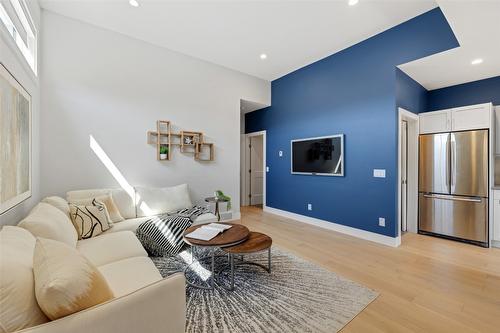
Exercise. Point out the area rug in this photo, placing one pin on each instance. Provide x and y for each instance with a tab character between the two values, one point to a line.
298	296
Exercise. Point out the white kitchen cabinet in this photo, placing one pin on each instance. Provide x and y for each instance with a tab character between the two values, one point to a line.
457	119
435	122
496	216
471	117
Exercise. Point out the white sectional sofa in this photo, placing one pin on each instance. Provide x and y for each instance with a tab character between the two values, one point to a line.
144	302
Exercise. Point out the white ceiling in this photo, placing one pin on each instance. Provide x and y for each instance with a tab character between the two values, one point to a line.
233	33
476	24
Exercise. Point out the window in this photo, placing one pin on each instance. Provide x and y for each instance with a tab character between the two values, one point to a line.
15	16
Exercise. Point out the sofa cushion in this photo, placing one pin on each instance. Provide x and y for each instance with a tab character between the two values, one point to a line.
110	247
107	200
49	222
155	201
128	275
65	281
90	221
59	203
18	306
128	225
123	200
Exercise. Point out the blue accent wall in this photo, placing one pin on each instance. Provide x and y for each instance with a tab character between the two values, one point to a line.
482	91
410	95
351	92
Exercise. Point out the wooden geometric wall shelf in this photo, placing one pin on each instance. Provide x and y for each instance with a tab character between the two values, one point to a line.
205	152
188	142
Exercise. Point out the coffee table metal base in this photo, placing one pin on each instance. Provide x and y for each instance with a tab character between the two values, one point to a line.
214	278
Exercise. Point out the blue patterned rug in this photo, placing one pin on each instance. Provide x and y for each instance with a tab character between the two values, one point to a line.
297	297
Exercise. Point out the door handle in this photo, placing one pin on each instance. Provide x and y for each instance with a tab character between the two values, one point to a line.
453	163
446	197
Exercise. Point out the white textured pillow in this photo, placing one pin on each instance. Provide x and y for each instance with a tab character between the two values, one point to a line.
18	306
90	221
59	203
107	200
49	222
65	281
154	201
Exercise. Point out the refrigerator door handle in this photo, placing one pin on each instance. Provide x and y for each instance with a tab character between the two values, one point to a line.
448	168
453	162
453	198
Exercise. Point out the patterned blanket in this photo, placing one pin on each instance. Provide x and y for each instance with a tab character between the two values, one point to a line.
161	235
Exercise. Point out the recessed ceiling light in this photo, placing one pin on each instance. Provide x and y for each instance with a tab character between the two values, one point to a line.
476	61
353	2
263	56
133	3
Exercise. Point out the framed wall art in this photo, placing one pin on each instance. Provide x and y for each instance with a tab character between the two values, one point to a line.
15	142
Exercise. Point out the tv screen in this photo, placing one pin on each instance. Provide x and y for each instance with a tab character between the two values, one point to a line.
319	156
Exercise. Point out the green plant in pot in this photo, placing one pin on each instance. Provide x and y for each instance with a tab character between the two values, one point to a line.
221	196
163	152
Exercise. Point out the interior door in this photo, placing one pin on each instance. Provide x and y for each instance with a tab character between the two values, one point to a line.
256	170
404	176
434	166
469	163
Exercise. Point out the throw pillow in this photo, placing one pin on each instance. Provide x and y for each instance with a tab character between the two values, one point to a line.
18	306
107	200
163	235
155	201
90	221
65	281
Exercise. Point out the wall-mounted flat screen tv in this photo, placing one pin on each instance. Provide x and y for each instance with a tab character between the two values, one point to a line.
322	156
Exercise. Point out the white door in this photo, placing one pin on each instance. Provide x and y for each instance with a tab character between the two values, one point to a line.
256	170
404	176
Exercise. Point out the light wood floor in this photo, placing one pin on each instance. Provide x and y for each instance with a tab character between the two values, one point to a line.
426	285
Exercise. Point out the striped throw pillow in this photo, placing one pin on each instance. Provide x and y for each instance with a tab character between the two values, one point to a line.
162	235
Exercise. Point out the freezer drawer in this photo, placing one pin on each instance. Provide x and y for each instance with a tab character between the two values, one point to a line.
461	217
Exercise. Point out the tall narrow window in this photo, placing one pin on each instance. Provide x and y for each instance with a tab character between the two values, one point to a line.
16	19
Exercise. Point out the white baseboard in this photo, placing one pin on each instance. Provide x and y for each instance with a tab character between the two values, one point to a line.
363	234
495	243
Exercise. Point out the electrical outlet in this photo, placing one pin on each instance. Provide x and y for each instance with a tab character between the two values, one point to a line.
280	153
267	169
381	221
309	206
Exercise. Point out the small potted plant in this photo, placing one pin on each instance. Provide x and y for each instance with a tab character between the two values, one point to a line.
163	152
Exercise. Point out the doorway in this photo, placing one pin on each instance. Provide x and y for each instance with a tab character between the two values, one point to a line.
254	169
408	172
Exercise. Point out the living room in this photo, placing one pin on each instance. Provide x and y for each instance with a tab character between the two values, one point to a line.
249	166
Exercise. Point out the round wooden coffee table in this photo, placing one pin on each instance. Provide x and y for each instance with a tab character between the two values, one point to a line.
256	242
233	236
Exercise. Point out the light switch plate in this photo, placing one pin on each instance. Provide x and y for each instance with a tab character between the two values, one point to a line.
379	173
280	153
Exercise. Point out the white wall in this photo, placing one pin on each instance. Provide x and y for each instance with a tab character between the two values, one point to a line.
13	60
101	83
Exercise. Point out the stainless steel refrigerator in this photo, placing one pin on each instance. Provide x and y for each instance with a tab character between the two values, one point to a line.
453	185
